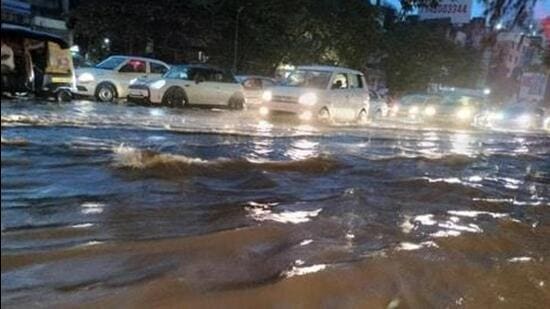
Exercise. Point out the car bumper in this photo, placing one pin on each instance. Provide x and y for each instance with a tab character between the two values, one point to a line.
87	89
139	95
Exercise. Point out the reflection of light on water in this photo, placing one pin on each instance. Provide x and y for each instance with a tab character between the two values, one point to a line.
520	259
264	127
261	148
453	224
522	147
302	149
84	107
300	271
461	144
156	112
408	246
82	226
92	208
263	212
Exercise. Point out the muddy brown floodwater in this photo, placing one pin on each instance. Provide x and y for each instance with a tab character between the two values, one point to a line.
125	206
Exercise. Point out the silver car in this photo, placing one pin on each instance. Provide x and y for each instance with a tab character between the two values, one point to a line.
110	79
322	93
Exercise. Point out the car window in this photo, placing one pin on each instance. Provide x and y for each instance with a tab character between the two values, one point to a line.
215	76
340	81
157	68
133	66
177	73
219	76
253	84
267	83
355	81
198	74
433	100
110	63
308	79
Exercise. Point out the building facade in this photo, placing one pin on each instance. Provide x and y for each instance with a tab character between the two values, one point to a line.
44	15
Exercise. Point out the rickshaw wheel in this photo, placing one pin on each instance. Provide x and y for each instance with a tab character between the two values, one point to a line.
63	96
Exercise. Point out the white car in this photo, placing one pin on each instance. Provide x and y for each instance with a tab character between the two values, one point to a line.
186	85
110	79
254	87
322	93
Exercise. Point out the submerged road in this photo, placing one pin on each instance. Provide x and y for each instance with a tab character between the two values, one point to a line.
127	206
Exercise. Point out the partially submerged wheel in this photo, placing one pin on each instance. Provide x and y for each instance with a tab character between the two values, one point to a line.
236	103
63	95
363	117
105	92
323	116
174	97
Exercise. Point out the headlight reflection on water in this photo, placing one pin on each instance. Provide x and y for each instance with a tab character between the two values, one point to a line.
302	149
462	143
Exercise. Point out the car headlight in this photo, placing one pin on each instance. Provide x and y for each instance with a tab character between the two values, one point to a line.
524	119
85	78
496	116
413	110
308	99
429	111
133	81
464	113
267	96
546	124
158	84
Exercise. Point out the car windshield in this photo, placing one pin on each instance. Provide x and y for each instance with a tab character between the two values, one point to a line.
110	63
177	72
308	79
412	99
461	99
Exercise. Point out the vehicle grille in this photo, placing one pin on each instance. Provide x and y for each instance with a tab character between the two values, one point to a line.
139	86
284	99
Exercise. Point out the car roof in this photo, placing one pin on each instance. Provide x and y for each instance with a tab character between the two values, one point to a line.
138	58
328	68
245	77
197	66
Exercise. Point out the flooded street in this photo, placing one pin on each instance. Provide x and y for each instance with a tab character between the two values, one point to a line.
128	206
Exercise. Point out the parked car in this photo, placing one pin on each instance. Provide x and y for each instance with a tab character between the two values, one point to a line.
321	93
515	117
190	84
110	79
253	87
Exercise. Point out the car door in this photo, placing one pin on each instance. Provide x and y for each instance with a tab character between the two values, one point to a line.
340	97
131	69
224	86
198	90
360	94
156	70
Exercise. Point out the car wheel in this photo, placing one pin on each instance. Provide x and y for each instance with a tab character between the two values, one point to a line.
105	93
63	96
323	116
363	117
174	97
236	103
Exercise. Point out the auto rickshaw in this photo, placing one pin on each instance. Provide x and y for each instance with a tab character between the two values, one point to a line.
36	64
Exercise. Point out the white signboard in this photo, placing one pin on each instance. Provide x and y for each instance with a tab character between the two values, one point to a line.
460	11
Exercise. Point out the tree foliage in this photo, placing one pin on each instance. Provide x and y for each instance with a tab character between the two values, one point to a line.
350	33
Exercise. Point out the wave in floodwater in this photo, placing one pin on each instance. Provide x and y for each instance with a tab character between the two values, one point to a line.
132	158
